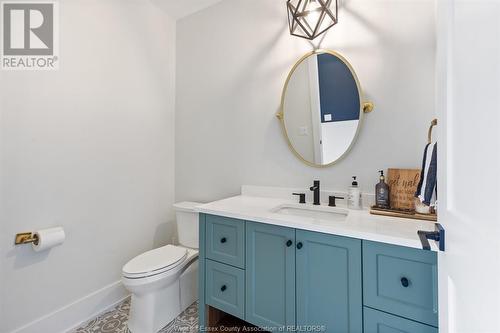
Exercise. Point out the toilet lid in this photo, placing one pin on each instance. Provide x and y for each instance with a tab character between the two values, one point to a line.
154	261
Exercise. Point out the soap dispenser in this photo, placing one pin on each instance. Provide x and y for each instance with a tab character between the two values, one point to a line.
354	195
382	192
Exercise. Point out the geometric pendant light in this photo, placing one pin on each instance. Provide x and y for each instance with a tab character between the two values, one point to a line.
310	18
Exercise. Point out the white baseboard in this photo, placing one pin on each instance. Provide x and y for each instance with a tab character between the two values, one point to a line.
74	314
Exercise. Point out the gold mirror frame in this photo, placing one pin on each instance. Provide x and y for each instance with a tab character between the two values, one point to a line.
365	107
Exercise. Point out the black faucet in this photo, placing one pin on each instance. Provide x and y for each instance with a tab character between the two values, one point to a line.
315	189
302	197
331	200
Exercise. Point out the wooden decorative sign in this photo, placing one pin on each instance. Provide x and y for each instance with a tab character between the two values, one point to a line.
402	186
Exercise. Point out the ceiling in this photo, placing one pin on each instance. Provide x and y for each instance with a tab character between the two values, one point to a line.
180	8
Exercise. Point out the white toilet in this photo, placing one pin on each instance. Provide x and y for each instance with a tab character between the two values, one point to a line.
164	281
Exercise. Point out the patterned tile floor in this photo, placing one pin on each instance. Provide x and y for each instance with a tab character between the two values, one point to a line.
115	321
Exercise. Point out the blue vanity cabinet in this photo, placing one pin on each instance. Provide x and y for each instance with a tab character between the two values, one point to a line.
328	282
401	281
382	322
284	279
270	275
202	313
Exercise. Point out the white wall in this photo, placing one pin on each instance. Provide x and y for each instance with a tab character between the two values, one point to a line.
232	62
89	147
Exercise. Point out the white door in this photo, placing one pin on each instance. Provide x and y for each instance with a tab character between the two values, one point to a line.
468	103
312	63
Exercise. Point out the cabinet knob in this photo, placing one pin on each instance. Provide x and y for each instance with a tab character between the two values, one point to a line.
223	240
289	243
299	245
223	288
405	282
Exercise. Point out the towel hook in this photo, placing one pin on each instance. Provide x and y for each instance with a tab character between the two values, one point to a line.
434	122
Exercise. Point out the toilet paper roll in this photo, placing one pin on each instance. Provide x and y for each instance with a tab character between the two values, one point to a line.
48	238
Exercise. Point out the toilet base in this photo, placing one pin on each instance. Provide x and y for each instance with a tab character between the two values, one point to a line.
150	312
189	286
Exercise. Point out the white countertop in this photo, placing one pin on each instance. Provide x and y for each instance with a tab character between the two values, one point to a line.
358	224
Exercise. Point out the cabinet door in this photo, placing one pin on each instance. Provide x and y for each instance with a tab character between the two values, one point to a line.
329	282
270	275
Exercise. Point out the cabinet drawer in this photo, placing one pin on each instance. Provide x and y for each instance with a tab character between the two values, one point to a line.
401	280
225	288
225	240
381	322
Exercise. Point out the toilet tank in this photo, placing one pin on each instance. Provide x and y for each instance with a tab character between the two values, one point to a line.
187	223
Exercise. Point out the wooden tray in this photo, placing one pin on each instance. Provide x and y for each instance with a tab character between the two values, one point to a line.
401	213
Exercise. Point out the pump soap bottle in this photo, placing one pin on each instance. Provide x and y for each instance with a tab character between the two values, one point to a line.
354	195
382	192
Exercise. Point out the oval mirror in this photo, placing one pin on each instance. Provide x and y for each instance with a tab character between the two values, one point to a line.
322	108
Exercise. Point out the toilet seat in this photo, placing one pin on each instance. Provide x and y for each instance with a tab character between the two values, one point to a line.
155	262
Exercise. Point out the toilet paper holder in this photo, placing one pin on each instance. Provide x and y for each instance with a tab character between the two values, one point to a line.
26	238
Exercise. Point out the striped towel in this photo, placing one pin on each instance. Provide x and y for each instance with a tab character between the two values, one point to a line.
427	186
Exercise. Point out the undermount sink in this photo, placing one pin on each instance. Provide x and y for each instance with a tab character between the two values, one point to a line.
314	212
